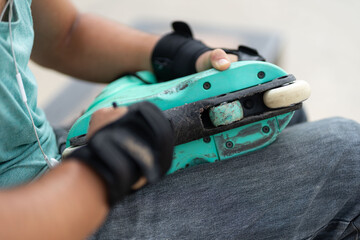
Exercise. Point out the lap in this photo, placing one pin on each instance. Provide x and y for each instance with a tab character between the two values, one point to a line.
305	183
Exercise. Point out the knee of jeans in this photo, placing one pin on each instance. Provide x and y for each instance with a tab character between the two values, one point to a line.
336	126
345	130
345	135
338	136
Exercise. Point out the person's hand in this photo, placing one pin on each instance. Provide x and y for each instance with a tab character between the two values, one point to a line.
127	144
103	117
217	59
178	54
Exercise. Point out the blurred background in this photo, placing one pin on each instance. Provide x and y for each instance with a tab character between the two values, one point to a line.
316	40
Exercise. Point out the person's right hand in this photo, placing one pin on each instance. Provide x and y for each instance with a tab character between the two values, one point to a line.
126	144
105	116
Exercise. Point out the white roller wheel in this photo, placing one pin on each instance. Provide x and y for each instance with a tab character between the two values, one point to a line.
287	95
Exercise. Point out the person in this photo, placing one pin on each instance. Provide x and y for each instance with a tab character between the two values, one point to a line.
305	185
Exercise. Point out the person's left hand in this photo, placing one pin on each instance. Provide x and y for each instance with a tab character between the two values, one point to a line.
217	59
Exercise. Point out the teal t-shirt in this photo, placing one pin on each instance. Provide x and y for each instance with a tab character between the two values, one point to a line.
20	157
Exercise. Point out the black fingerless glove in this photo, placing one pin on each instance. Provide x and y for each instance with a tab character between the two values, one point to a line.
138	144
176	53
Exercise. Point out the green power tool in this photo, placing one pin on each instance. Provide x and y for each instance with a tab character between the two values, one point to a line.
216	115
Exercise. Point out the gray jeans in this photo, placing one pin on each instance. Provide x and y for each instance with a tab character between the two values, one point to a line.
306	185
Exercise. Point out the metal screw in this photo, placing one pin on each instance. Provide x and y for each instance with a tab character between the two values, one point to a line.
261	75
229	144
207	139
266	129
206	85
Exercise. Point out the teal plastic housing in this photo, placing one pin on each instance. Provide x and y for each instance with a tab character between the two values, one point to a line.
241	75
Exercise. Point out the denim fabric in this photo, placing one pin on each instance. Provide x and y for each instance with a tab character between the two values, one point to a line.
306	185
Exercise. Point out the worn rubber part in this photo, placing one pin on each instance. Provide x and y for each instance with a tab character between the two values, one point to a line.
139	144
176	53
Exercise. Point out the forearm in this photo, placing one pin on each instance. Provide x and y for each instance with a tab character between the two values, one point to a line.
93	48
100	50
67	203
2	4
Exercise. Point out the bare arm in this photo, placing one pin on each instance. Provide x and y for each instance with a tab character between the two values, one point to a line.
96	49
87	46
2	4
67	203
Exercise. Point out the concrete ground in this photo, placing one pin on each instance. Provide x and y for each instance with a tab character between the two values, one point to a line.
320	41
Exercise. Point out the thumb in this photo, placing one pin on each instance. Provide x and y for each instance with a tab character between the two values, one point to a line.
217	59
